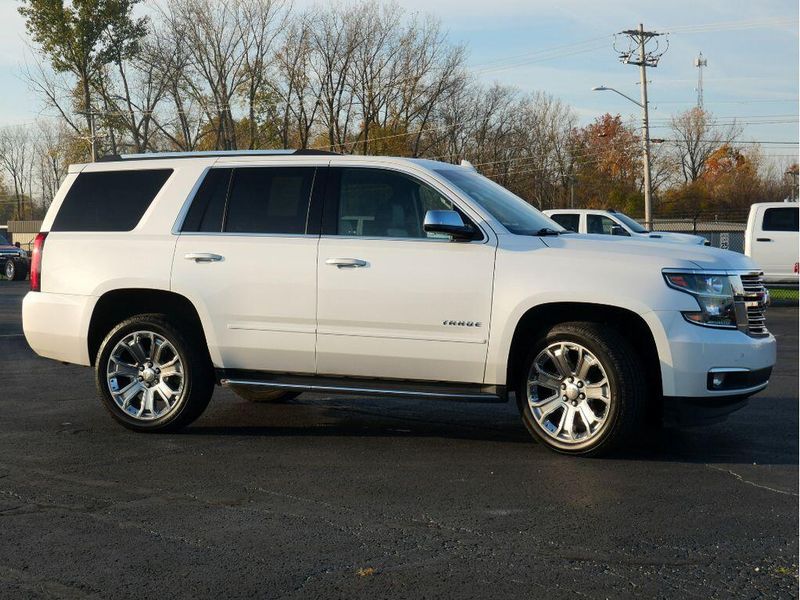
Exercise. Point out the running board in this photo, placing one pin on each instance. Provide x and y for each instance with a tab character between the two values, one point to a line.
365	387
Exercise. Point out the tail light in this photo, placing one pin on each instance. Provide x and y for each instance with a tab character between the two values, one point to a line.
36	262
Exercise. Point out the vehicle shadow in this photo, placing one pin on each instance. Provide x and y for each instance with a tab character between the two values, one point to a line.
735	442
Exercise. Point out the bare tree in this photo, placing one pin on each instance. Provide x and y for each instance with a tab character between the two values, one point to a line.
698	135
335	34
373	71
15	159
51	150
217	43
296	103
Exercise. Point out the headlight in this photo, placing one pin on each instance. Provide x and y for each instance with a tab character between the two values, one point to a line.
714	295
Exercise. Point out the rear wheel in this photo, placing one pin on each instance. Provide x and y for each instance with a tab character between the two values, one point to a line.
153	375
581	390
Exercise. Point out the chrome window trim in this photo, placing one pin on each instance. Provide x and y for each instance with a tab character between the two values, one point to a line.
250	235
484	240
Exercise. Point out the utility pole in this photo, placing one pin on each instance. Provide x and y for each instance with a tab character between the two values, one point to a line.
638	54
92	136
700	62
92	133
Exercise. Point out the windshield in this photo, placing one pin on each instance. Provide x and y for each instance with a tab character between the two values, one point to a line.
3	241
632	225
513	212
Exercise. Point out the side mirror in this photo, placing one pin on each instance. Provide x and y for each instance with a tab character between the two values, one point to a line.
448	222
619	230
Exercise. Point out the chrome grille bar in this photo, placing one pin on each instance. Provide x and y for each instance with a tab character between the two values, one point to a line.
754	298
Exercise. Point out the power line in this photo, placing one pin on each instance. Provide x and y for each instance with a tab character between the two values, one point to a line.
763	23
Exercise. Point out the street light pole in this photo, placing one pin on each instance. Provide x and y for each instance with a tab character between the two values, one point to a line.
648	202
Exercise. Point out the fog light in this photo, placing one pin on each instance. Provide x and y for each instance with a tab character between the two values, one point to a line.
717	380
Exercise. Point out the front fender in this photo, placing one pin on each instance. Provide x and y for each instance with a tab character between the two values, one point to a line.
504	326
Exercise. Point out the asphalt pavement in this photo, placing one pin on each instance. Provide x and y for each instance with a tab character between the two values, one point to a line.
336	497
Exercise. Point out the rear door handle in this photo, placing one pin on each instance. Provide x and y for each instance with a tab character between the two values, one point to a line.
346	263
763	240
199	257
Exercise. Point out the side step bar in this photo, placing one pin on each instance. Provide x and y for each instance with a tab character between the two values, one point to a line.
368	387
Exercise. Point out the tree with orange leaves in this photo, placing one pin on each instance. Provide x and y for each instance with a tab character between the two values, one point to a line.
607	156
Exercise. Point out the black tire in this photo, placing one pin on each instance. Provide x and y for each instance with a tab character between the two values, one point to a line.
264	395
10	269
624	416
22	272
198	372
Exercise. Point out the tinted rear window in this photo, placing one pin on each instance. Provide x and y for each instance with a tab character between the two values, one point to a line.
109	200
781	219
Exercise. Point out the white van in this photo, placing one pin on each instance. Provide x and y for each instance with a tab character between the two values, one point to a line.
771	240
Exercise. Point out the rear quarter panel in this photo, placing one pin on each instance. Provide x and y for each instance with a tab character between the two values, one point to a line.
90	263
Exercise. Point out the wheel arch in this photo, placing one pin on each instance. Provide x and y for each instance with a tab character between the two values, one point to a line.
117	305
627	322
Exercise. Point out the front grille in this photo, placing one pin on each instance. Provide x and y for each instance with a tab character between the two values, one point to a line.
755	301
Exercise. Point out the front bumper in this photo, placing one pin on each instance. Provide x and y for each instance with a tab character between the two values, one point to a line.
20	260
688	353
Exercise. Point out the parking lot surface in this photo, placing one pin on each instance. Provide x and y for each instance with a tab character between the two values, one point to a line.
334	497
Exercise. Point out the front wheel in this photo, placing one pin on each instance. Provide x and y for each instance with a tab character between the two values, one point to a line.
153	374
581	390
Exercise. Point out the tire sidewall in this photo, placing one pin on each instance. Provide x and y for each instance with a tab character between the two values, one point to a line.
101	364
617	387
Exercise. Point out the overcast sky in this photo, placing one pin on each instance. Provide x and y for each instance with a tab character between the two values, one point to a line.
560	46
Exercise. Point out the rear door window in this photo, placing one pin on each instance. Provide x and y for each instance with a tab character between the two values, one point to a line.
269	200
208	206
109	200
567	221
781	219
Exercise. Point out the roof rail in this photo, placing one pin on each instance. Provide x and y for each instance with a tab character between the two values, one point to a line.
213	154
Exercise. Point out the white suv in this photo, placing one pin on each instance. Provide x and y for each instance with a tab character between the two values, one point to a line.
305	271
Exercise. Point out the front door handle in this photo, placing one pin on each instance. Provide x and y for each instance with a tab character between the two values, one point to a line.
763	240
199	257
346	263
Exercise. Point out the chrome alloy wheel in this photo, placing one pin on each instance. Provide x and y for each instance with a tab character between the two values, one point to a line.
145	375
568	393
11	269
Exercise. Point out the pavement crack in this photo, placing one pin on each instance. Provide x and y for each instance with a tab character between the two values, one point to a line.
753	483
